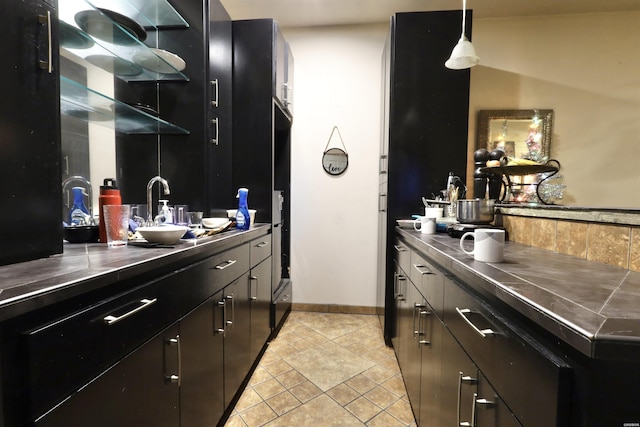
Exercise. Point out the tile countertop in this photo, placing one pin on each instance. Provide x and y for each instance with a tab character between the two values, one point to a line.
86	267
593	307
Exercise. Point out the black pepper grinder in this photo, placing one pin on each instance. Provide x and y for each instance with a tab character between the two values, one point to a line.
480	158
495	181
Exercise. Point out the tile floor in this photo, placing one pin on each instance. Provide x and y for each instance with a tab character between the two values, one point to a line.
325	369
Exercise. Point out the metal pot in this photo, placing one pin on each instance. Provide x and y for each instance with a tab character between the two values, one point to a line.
475	211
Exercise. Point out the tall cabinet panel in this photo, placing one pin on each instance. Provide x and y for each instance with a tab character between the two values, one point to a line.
30	187
262	132
425	111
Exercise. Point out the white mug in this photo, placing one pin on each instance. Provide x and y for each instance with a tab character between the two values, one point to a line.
427	225
488	245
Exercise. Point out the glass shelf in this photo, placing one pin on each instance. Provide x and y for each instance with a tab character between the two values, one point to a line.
151	14
113	39
78	101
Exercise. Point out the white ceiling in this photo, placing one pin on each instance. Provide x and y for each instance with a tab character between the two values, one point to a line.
297	13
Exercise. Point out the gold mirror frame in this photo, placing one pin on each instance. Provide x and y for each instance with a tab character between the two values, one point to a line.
485	117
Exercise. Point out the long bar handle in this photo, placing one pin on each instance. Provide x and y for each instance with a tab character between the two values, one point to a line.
215	140
463	379
176	378
400	248
214	85
262	244
226	264
423	272
223	304
482	332
253	296
233	310
111	319
424	313
48	64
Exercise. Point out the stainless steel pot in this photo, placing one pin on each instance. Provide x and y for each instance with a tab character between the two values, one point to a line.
475	211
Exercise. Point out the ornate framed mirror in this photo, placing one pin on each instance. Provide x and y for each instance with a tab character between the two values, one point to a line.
519	133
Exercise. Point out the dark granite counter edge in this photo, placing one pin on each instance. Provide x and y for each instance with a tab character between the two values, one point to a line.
487	280
32	295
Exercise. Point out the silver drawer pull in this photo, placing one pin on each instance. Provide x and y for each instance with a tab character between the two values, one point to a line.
262	244
482	332
110	320
226	264
400	248
423	272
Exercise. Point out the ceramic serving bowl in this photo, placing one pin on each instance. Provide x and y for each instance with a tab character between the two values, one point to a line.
163	234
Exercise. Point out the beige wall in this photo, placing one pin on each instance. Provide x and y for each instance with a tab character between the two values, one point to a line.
587	69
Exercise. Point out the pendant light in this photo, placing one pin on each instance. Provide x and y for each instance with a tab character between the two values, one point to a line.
463	54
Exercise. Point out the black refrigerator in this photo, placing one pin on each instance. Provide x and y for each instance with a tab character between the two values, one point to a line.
425	112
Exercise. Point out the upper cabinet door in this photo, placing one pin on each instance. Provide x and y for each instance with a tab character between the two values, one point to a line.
30	126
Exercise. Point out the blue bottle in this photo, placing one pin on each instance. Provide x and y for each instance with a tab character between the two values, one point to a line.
243	221
79	214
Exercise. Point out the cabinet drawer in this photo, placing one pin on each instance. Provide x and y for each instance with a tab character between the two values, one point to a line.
227	266
260	249
402	255
525	374
429	281
66	353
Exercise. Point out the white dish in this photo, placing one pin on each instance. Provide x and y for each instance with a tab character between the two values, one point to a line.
406	223
159	61
231	213
214	222
165	234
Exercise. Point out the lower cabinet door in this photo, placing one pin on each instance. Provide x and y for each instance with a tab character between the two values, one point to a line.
409	358
201	384
431	330
260	300
459	379
237	335
139	390
490	410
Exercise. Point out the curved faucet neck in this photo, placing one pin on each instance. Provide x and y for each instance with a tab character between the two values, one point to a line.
166	191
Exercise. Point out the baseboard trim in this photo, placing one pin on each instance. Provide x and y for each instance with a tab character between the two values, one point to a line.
333	308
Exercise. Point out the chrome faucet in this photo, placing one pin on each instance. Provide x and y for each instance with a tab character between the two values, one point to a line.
152	181
87	185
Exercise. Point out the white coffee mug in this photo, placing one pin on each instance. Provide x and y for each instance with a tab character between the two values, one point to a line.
427	225
488	245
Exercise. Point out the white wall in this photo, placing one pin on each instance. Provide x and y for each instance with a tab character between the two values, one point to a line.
334	219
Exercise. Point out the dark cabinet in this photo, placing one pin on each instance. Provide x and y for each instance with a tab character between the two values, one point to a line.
30	184
122	395
262	135
260	301
425	117
202	379
237	335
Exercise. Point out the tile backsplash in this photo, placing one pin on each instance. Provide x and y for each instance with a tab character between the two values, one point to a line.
613	244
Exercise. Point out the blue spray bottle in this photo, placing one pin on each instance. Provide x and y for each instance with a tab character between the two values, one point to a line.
243	221
79	214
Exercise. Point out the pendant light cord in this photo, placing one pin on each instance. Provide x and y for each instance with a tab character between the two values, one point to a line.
464	17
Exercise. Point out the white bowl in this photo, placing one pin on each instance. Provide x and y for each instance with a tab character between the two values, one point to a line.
406	223
231	213
164	234
214	222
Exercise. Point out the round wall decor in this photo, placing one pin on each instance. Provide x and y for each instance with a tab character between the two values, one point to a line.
335	160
